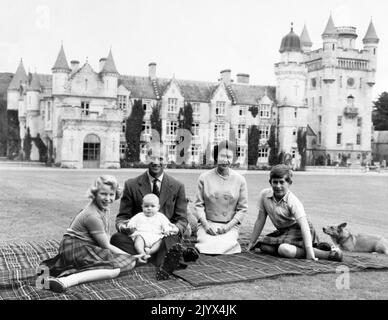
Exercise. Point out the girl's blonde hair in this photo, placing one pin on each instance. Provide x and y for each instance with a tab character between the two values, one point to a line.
104	180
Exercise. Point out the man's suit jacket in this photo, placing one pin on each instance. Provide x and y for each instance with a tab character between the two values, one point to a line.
172	200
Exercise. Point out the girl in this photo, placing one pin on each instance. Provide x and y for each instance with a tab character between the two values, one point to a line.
85	253
295	237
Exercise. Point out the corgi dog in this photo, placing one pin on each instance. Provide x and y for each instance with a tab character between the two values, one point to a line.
356	242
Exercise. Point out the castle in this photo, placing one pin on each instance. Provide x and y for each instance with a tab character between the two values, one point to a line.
80	114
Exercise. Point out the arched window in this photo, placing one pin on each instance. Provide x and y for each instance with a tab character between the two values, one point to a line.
91	148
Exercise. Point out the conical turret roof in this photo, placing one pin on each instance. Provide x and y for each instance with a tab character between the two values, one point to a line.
330	29
61	62
290	42
35	83
371	33
305	38
19	77
109	66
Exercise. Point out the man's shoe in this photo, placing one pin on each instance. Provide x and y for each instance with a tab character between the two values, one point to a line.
171	262
190	255
335	255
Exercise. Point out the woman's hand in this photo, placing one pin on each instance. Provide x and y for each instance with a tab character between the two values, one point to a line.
209	230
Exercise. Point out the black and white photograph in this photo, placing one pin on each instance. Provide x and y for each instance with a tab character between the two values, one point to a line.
174	151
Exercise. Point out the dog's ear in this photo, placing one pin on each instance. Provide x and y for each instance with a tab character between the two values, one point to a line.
342	225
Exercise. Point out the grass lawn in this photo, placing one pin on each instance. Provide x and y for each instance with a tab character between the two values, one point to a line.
39	204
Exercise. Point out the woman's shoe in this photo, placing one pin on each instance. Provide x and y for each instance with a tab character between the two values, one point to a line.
335	255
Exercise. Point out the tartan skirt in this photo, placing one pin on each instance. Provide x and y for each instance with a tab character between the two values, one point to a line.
76	255
291	235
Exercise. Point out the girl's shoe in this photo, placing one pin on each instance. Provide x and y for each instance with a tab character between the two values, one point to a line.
54	284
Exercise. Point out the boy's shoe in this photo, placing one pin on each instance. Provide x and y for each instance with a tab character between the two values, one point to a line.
190	255
54	284
324	246
335	255
171	262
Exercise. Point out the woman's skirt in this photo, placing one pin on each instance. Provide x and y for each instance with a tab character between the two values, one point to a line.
221	243
291	235
76	255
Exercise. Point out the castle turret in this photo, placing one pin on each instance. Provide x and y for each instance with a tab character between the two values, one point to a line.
61	72
370	42
291	75
329	57
330	36
305	40
110	76
13	94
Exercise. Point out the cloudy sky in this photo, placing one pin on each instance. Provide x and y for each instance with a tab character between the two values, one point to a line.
193	39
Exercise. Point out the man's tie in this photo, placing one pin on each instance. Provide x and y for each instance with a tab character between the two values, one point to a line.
155	188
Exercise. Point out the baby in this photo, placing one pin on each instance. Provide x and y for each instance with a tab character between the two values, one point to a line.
147	228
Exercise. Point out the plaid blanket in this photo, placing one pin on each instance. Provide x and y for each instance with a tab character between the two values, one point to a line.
249	266
19	261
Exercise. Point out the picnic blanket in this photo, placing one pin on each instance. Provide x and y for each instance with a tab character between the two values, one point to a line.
19	262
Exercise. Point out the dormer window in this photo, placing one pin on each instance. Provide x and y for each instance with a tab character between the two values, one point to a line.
264	110
220	108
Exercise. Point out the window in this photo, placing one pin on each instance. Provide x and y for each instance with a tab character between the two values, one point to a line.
339	138
195	151
220	108
241	131
294	131
340	82
320	100
123	125
122	102
85	108
265	110
358	139
263	153
147	106
146	128
359	122
320	119
360	83
172	105
312	102
143	149
339	121
172	126
240	152
296	113
293	153
86	84
91	149
171	150
48	110
319	137
219	130
195	129
264	132
123	147
242	111
195	106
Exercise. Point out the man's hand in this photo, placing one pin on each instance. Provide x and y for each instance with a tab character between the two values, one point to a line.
174	230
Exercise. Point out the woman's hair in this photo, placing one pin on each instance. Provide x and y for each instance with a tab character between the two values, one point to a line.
229	145
281	171
107	180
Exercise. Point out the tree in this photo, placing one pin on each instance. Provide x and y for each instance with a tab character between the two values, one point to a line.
301	140
27	144
3	127
253	145
134	127
254	111
380	112
42	148
13	134
156	121
188	117
273	158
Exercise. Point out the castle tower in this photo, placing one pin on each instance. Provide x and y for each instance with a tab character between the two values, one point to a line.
13	94
305	40
370	42
33	99
61	72
291	82
110	76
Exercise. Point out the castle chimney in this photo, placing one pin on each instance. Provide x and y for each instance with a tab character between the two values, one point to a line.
243	78
226	76
102	63
74	65
152	70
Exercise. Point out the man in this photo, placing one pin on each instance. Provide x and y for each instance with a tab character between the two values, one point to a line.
173	205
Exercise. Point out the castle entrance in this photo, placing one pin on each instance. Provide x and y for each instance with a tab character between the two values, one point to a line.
91	151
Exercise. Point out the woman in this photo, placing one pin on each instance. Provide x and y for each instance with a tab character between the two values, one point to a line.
221	204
